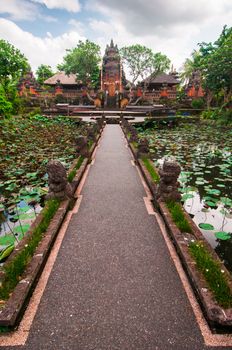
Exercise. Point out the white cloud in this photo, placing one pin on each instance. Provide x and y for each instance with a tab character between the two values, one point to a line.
142	17
173	27
68	5
77	25
47	50
19	9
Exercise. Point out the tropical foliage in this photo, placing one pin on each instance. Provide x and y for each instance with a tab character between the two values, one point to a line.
142	62
43	72
214	62
13	65
84	61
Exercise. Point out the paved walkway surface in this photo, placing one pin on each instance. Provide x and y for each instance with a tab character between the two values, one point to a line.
114	284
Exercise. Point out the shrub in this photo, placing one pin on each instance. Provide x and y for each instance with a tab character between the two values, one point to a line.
6	107
207	114
198	103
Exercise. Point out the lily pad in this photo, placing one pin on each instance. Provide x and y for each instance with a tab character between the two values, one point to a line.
223	235
26	216
226	201
211	204
205	210
199	182
221	185
21	228
206	226
24	209
187	196
214	192
7	239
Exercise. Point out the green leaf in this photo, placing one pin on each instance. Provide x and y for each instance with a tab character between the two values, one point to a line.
23	209
206	226
223	235
26	216
187	196
21	228
226	201
214	192
7	239
6	252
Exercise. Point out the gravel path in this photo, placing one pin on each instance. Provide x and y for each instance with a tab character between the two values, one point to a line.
114	285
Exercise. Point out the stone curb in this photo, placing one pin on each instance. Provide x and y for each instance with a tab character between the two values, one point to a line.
14	307
216	316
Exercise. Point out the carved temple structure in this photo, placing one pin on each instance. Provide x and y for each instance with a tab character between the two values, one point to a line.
114	89
112	76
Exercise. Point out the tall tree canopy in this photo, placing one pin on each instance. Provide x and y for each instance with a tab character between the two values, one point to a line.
13	64
214	62
189	67
43	72
84	61
142	62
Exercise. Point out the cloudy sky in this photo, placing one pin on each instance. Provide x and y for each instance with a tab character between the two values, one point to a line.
44	29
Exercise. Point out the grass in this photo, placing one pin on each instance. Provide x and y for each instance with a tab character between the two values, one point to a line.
213	274
72	173
16	267
178	216
134	144
90	143
152	172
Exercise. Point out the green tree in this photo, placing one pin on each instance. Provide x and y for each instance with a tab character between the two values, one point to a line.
43	72
84	61
6	107
13	64
189	67
142	62
215	64
218	68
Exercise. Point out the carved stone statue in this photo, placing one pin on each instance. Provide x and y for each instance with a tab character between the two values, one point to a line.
57	181
168	186
82	146
91	133
143	148
133	134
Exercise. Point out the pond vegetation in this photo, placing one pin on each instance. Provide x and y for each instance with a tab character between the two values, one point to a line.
204	153
15	268
26	146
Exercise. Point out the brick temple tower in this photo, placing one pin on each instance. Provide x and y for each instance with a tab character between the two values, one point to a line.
111	76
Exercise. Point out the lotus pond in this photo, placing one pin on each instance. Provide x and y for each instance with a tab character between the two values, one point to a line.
204	153
26	146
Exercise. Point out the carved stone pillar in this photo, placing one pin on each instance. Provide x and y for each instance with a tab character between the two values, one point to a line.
143	148
82	146
168	186
57	181
133	134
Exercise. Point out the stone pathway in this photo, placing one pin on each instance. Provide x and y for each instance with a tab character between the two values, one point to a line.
114	284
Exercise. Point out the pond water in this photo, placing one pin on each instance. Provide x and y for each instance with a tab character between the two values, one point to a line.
204	153
27	144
